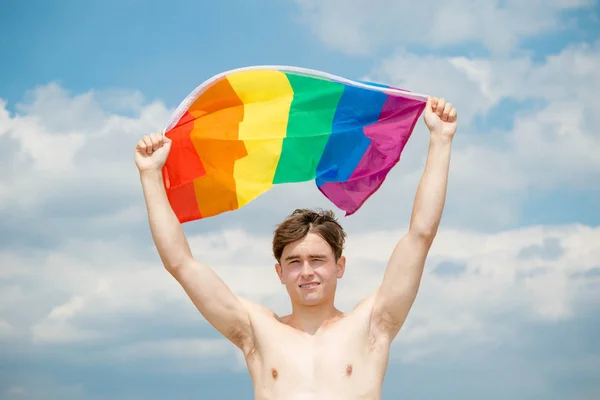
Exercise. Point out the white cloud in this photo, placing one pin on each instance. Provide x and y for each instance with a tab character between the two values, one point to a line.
6	329
557	145
495	268
361	26
190	348
57	142
166	355
475	85
550	146
17	391
567	75
437	76
50	331
68	309
45	389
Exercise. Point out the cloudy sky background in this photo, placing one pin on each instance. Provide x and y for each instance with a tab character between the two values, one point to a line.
509	303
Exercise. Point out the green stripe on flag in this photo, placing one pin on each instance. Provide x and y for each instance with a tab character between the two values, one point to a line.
309	126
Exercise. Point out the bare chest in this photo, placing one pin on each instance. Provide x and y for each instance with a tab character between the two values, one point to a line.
341	362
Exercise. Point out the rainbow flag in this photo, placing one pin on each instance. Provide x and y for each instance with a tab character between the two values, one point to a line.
243	131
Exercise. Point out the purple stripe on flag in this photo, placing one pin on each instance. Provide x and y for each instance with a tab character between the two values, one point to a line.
388	137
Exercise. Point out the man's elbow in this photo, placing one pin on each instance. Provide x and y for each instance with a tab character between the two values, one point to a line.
423	232
175	265
172	267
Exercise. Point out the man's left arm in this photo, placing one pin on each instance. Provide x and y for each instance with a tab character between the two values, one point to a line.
402	277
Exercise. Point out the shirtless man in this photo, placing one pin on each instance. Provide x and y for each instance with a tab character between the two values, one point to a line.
316	352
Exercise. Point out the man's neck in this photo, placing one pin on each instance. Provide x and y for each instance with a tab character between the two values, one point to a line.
312	318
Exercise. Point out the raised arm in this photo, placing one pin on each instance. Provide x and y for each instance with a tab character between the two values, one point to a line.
221	308
402	277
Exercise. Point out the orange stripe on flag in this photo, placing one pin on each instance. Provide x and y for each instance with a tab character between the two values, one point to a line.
218	113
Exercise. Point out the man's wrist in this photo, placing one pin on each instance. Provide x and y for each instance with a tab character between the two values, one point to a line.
151	174
436	138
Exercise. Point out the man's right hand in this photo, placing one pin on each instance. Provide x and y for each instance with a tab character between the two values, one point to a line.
151	152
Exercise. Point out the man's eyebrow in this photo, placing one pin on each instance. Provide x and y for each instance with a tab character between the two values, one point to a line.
318	255
314	255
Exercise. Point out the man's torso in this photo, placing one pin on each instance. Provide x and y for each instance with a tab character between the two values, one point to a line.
345	360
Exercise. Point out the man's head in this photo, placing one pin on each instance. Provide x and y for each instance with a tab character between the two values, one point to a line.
308	247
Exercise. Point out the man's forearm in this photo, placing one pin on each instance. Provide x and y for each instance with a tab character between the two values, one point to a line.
431	192
167	233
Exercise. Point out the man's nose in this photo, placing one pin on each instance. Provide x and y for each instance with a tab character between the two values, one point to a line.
306	269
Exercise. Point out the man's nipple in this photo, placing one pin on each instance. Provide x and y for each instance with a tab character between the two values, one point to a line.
274	373
349	370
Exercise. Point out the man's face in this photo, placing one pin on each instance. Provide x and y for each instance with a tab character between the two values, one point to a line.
309	270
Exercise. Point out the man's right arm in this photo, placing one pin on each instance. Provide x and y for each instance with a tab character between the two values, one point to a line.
221	308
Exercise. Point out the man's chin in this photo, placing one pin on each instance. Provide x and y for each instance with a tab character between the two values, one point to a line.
308	299
312	299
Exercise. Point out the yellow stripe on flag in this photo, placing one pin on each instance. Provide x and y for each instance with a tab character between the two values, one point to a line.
267	97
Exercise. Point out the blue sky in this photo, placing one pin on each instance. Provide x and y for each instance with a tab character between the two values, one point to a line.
162	48
509	302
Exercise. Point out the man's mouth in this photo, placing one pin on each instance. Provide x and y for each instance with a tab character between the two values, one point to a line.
309	285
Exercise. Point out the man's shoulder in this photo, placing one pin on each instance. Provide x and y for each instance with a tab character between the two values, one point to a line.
257	308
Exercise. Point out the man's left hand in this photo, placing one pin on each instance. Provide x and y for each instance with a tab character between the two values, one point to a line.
440	117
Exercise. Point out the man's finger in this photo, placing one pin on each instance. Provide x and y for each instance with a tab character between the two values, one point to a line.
141	147
440	107
452	115
148	143
446	112
428	103
434	103
156	142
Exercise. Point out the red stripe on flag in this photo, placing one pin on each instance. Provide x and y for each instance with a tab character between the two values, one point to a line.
184	203
183	164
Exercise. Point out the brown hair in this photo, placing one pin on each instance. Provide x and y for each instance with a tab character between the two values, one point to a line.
301	222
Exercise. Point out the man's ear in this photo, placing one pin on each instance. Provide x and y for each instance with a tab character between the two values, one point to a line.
341	267
279	272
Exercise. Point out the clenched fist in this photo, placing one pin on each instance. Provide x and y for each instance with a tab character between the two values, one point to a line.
440	117
151	152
